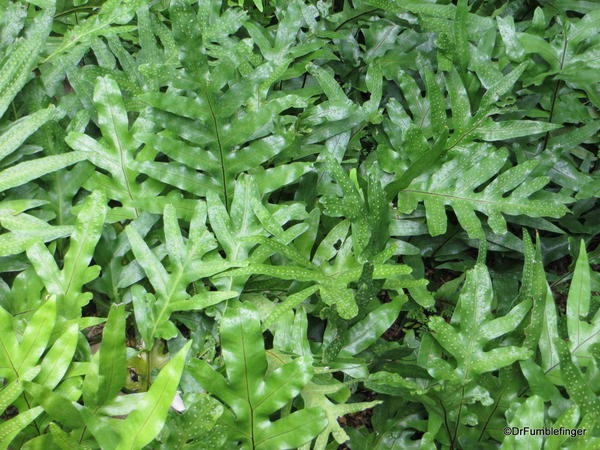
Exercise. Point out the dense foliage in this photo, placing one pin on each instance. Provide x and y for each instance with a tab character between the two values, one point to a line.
299	224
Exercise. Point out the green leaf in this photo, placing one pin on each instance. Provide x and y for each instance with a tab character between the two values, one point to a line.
279	181
12	427
576	385
455	184
437	105
62	439
534	287
251	394
288	304
501	86
157	275
115	152
460	34
112	366
198	424
582	334
13	390
57	360
472	328
171	285
142	425
419	166
315	396
20	130
31	170
76	273
36	336
16	68
529	414
509	129
291	431
173	238
364	333
56	405
10	346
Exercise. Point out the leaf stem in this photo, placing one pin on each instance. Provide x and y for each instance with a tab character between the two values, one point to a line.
556	88
66	12
462	397
491	414
148	369
221	155
354	18
446	420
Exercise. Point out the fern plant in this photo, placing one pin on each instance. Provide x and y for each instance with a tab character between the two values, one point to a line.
331	279
298	224
18	61
252	394
116	152
67	284
187	266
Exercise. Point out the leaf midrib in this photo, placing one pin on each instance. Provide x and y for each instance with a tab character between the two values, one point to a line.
221	154
247	384
171	291
121	154
457	197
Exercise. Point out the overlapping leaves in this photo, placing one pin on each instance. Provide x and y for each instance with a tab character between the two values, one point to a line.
290	194
253	395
